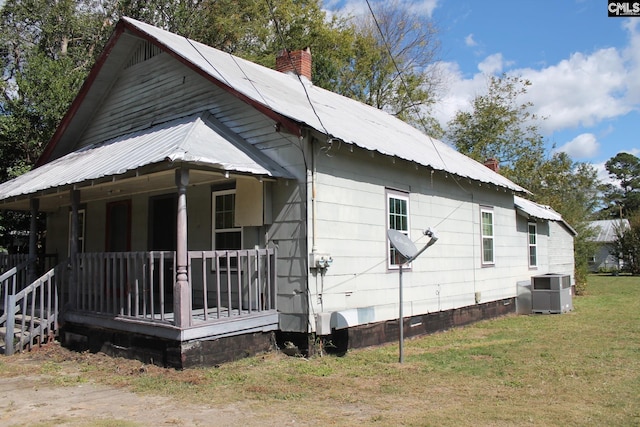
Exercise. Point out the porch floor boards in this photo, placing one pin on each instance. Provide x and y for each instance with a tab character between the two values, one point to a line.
229	323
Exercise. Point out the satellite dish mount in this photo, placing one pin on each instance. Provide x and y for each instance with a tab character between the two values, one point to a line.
408	251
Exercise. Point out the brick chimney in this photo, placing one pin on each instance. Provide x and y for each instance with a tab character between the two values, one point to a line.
492	164
300	59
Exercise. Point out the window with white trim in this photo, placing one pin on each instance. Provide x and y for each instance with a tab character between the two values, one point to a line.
487	231
397	219
225	234
533	244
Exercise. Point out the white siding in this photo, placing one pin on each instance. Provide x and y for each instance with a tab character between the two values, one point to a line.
561	259
351	226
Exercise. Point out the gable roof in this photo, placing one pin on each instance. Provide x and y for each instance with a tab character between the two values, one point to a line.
284	98
607	228
530	209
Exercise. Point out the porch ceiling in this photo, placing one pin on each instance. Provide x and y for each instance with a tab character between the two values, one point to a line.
140	162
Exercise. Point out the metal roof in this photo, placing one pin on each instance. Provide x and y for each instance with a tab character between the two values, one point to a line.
337	116
193	139
607	229
531	209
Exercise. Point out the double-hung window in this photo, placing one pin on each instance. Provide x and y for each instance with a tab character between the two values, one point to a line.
397	219
225	234
487	231
533	244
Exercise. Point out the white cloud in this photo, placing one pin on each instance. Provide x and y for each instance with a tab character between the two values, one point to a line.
602	173
582	146
358	7
493	64
582	90
423	7
459	92
631	54
469	41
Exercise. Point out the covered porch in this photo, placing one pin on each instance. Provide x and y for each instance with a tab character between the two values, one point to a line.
231	292
184	286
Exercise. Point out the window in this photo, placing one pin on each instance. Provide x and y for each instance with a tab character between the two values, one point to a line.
81	230
397	219
533	245
488	256
225	234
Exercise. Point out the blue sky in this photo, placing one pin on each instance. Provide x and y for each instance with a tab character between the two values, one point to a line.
583	65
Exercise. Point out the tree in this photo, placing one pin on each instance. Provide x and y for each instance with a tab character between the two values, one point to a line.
392	63
623	198
627	245
256	30
499	127
46	49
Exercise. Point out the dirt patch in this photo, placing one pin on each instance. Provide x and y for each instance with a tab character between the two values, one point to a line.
31	396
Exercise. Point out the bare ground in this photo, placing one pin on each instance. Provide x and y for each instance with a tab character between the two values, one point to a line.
31	396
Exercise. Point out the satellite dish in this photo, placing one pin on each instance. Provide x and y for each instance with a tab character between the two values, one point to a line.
402	244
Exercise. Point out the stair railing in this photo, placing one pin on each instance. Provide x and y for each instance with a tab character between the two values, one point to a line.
31	315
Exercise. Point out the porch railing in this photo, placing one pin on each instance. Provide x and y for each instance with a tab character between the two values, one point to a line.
140	284
43	262
30	315
228	283
8	261
13	280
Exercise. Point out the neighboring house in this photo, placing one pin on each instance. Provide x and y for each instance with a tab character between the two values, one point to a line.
606	230
207	204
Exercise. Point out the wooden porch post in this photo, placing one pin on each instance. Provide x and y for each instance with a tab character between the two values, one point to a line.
33	239
181	288
73	247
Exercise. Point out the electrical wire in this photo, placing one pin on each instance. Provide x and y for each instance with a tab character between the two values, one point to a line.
402	80
404	83
208	62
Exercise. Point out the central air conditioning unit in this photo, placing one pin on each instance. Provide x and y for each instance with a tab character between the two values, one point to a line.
551	293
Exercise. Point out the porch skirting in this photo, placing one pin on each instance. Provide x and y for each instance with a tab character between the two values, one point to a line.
166	345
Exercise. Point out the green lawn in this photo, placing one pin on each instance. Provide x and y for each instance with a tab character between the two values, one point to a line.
574	369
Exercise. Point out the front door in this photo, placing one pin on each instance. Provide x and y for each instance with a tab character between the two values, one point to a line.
118	237
162	237
162	223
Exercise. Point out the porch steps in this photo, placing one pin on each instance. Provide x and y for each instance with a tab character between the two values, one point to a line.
33	332
24	338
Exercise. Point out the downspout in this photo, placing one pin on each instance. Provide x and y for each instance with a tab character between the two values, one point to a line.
314	247
314	241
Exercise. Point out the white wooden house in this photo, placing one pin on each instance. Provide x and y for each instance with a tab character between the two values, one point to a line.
606	234
207	204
